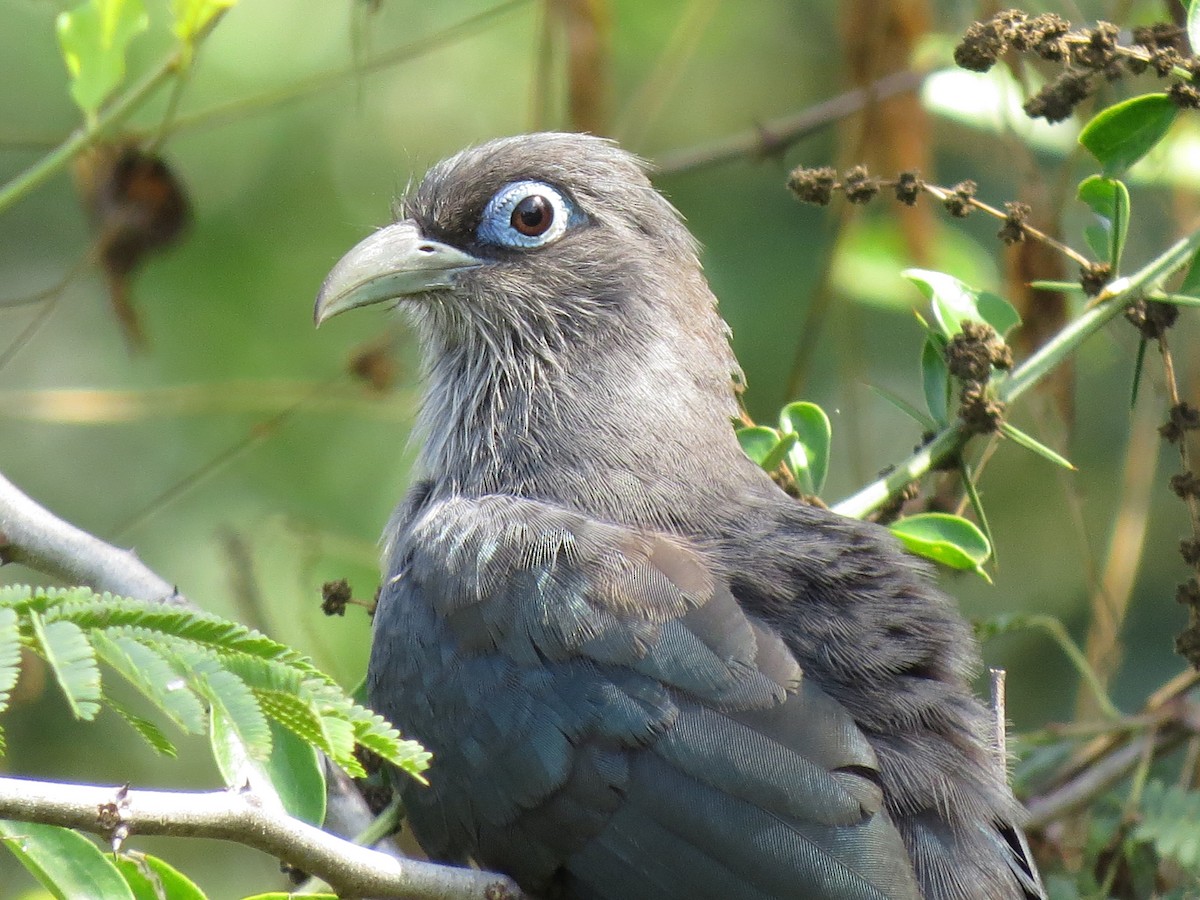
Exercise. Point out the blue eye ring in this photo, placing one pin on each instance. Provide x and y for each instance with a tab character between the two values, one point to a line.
525	215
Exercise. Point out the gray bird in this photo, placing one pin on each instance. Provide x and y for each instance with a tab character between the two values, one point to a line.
643	670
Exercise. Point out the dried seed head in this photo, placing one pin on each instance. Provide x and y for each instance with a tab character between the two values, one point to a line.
1013	229
1160	35
1164	60
980	47
1058	99
813	185
1183	417
958	204
981	414
1151	318
859	186
1094	276
908	187
1100	49
1184	95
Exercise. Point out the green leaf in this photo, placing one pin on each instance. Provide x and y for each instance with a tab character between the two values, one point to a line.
1108	199
1125	132
1169	819
935	379
997	312
905	407
150	878
950	540
376	734
147	670
73	662
1191	281
190	17
293	770
1065	287
235	712
808	457
10	658
1036	446
67	864
765	445
94	37
1175	299
147	730
954	302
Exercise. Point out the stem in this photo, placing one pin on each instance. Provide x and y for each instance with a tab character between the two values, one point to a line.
243	818
1110	303
57	159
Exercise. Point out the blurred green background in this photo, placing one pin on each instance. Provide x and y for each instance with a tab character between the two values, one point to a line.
242	462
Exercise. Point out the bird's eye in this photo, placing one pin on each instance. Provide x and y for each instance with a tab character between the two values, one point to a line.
526	214
533	216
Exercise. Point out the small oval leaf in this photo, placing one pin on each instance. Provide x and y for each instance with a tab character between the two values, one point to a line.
809	456
952	301
997	312
765	445
1108	199
950	540
1125	132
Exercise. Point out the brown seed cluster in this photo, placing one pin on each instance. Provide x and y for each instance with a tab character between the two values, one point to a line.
335	596
980	413
958	204
1151	317
970	356
1013	229
1094	276
1181	418
1090	57
975	350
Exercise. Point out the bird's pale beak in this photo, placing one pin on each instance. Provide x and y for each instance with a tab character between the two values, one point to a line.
396	261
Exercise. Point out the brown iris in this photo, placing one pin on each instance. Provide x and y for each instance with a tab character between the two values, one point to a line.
533	216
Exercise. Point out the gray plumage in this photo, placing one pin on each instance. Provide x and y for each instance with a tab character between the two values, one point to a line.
643	670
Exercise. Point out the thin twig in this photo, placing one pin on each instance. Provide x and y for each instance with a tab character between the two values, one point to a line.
33	536
777	135
239	817
1070	252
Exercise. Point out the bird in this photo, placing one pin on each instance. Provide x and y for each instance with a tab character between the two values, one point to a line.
643	669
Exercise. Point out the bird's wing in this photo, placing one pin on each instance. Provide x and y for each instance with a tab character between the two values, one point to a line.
603	713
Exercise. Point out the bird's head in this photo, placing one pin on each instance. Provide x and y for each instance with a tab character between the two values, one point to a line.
529	242
545	263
